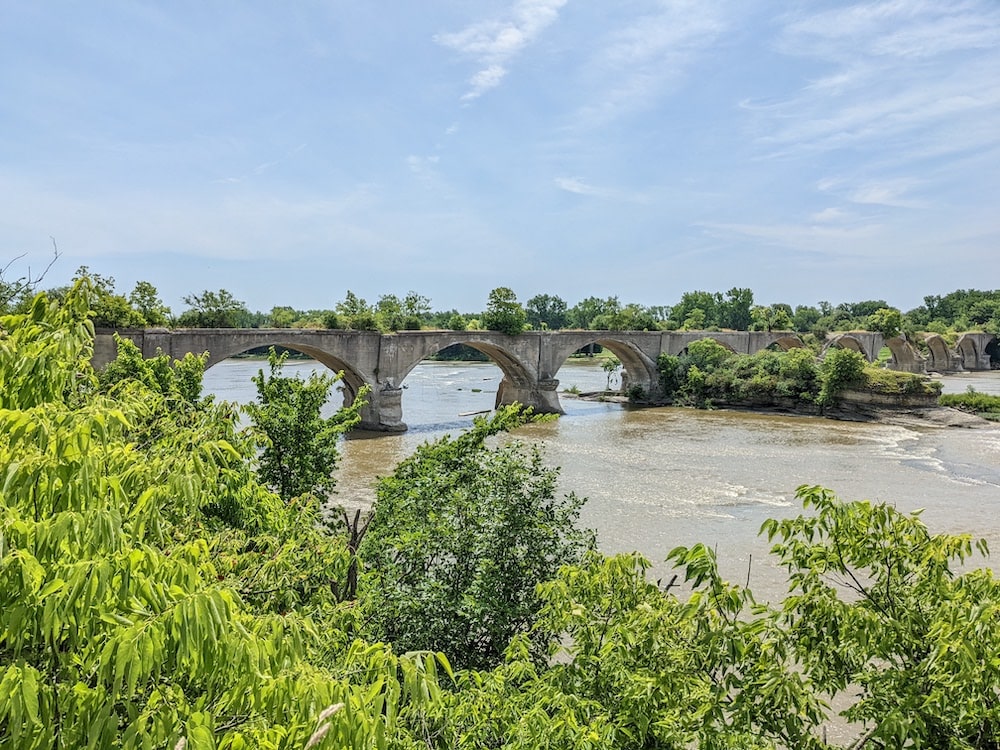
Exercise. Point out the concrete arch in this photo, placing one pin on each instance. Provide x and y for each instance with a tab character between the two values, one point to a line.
904	356
940	359
352	379
787	342
969	351
511	366
632	350
847	341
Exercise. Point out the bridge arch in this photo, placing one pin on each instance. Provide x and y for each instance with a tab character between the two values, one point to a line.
968	350
511	366
904	356
939	359
353	380
786	342
847	341
639	367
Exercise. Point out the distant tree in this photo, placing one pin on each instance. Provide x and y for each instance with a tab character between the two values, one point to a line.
584	312
389	313
707	302
734	312
213	310
504	313
146	301
110	310
283	316
355	313
804	318
546	312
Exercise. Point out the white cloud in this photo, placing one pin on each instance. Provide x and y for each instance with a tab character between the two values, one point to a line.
494	43
635	64
830	215
573	185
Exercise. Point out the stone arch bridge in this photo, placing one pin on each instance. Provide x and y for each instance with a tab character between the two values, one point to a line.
529	361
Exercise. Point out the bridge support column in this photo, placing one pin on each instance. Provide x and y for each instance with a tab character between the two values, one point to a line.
540	396
384	412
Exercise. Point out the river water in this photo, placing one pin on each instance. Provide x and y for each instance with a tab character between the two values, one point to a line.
662	477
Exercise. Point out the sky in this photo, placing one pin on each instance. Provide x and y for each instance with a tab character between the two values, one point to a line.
289	152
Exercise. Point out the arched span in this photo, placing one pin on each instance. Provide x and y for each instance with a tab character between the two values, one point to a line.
351	379
788	342
968	351
904	356
846	341
639	367
512	367
940	356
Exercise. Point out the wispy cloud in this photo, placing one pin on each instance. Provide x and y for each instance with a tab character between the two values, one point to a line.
638	62
901	71
579	187
494	43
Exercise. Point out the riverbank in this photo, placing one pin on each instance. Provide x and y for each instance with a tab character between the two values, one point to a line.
845	411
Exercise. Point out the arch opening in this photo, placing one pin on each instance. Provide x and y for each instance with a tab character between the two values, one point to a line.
350	382
637	370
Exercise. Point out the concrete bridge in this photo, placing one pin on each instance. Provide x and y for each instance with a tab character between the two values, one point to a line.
529	361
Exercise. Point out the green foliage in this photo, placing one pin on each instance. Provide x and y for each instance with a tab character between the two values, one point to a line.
298	446
133	612
546	311
146	301
214	310
177	380
461	534
840	369
886	320
982	404
504	313
610	365
878	612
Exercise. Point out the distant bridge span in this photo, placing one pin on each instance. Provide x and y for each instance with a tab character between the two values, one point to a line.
529	361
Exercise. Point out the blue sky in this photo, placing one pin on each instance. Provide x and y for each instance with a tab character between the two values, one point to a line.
290	151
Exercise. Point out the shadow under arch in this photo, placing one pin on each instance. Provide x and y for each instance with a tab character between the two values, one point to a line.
968	351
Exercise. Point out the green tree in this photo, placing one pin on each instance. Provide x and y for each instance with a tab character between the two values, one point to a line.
504	313
886	320
146	301
734	312
584	312
546	311
213	310
298	446
461	535
840	369
143	570
878	611
355	313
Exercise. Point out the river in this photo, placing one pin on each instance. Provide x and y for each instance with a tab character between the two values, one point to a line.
657	478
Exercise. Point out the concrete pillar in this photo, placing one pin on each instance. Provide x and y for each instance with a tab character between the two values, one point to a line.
384	412
540	396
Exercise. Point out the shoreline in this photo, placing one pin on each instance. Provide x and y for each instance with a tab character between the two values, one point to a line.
904	416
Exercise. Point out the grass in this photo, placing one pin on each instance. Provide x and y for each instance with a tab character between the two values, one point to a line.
980	404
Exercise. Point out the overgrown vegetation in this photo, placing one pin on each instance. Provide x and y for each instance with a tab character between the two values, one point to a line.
154	593
708	374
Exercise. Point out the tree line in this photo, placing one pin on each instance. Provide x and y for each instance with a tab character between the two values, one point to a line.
169	579
736	309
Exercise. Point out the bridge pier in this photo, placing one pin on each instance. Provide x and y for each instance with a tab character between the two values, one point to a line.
384	411
541	396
